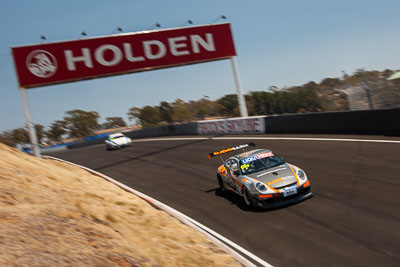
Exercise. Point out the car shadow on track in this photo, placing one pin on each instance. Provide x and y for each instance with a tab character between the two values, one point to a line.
237	200
158	151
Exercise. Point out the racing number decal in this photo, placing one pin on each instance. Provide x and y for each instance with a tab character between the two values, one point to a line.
226	176
222	170
230	178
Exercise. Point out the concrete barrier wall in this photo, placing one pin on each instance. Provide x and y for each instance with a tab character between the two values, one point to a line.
54	148
82	143
383	121
169	130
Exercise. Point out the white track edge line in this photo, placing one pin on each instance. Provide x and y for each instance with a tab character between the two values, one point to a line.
170	138
313	139
270	138
214	236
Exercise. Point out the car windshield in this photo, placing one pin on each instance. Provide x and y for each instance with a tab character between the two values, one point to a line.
115	137
255	165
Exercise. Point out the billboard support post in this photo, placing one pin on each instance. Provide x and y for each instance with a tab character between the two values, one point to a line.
31	128
241	100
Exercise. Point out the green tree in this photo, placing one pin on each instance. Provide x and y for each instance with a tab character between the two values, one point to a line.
328	84
306	100
149	116
7	138
20	135
56	131
40	132
166	112
80	123
134	113
113	122
181	111
361	75
229	105
312	85
204	107
261	102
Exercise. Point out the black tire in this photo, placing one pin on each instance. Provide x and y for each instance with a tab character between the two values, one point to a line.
248	201
221	184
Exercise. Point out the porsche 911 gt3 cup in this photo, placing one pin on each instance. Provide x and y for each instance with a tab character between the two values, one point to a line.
262	178
117	140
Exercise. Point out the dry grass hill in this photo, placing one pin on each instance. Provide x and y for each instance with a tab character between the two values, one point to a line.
54	214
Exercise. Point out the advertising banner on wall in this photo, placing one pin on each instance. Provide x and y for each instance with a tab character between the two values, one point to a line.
248	125
60	62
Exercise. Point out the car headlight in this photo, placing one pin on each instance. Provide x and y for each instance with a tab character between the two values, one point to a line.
261	187
301	174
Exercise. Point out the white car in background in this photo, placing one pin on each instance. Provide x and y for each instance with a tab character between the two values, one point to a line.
117	140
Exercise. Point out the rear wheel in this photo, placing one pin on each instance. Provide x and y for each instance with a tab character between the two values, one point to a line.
221	184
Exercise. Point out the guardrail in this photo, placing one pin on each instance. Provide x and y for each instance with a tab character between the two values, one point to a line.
381	122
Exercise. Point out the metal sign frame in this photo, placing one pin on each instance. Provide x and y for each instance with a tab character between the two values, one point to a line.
22	88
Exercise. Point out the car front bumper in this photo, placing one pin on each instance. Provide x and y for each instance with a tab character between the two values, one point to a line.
280	200
115	146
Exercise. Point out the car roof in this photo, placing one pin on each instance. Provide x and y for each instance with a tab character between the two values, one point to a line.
250	153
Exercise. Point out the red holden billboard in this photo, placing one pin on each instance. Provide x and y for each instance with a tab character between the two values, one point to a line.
52	63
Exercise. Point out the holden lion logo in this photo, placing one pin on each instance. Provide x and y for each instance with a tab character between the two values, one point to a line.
41	63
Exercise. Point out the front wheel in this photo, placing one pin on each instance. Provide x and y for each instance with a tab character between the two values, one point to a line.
247	198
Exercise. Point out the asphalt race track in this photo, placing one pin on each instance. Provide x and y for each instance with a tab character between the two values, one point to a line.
352	220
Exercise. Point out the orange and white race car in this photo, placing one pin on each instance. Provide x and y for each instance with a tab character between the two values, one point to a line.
261	177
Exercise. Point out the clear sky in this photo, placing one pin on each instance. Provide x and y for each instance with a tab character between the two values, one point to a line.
281	43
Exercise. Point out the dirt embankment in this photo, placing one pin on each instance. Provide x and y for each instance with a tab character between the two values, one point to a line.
54	214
